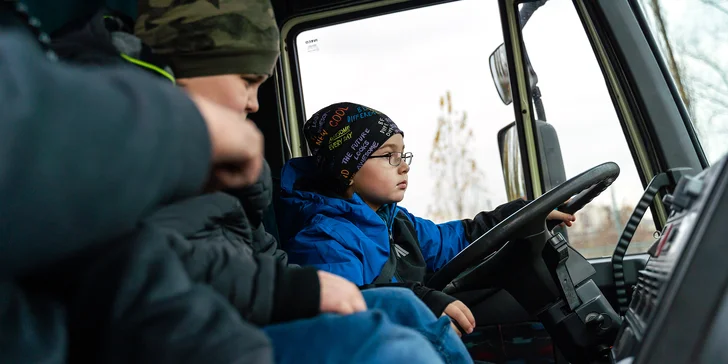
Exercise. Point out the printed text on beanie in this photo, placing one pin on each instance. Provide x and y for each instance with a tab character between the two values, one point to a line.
342	136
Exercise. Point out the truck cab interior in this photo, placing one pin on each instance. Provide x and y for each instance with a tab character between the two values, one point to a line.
641	277
655	291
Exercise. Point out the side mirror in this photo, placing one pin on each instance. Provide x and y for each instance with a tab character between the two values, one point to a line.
501	75
510	153
552	163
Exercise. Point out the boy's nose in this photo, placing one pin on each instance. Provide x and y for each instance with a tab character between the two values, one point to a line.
252	105
404	167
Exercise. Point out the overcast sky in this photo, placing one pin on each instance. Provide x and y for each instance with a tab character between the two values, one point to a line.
401	64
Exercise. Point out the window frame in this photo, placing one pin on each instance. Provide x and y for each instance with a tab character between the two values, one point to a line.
630	106
652	92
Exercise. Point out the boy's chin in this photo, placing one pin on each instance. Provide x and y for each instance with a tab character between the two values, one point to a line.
398	197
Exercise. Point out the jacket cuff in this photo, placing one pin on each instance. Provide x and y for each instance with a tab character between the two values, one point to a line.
297	294
435	300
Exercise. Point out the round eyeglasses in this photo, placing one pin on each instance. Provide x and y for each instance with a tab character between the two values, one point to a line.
396	158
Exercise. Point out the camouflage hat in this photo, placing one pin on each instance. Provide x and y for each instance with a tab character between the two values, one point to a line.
211	37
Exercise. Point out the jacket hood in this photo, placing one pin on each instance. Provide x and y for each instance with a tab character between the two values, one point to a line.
303	171
299	206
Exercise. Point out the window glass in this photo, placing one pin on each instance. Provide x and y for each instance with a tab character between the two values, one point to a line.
426	69
578	105
693	38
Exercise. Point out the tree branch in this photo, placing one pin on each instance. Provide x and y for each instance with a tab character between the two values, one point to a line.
714	4
713	65
672	63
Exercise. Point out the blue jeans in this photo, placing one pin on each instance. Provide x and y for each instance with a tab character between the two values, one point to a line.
397	327
404	308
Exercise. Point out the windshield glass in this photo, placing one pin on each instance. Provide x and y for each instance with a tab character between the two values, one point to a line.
577	102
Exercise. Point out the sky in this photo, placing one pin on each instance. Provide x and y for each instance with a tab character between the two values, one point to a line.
402	63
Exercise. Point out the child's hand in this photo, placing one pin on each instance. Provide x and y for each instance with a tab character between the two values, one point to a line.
237	146
339	295
461	314
567	219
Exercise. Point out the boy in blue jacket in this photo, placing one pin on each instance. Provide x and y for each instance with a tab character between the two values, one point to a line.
341	213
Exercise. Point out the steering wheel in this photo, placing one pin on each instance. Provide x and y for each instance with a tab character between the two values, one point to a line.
503	245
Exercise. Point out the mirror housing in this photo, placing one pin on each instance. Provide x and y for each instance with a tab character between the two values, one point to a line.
499	72
552	162
501	75
510	153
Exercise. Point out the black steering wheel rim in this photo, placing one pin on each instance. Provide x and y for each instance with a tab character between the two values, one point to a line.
528	221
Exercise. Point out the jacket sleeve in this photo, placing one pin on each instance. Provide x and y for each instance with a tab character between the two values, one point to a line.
84	154
263	290
138	288
316	246
265	243
442	242
54	15
435	300
486	220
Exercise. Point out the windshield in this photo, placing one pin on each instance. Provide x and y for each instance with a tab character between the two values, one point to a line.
575	97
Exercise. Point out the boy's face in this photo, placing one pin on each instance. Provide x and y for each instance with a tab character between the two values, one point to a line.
237	92
378	182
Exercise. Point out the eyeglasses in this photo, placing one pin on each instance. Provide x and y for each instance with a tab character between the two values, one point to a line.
396	158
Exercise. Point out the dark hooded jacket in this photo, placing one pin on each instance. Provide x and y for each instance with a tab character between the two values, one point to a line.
228	248
225	245
84	156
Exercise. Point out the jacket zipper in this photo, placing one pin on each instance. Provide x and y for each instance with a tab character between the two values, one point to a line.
391	246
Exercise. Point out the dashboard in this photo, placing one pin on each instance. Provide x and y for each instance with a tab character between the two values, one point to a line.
679	308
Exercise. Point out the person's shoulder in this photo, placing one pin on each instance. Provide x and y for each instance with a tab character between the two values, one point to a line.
338	228
192	215
328	223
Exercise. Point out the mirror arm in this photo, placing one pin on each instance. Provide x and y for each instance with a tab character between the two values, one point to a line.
528	9
538	104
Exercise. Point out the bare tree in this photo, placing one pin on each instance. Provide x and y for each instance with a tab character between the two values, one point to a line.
458	180
708	77
694	52
716	6
675	69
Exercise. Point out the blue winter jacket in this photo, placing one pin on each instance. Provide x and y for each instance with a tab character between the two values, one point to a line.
346	237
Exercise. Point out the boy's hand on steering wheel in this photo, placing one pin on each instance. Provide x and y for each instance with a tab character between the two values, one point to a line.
567	219
556	215
458	312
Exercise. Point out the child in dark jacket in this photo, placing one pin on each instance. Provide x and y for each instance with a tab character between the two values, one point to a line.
220	240
341	214
224	53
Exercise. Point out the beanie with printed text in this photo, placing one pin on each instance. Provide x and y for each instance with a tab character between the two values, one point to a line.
342	136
